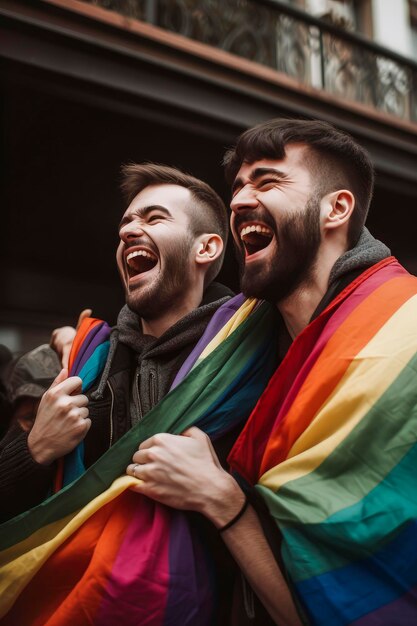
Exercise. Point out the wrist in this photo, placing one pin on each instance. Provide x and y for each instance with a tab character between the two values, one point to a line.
37	451
236	517
225	503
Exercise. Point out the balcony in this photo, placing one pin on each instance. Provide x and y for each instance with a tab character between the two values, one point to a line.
311	52
100	84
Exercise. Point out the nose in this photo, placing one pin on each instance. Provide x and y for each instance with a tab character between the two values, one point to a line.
130	231
245	198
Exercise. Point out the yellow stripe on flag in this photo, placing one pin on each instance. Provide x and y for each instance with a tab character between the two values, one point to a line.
20	563
368	377
237	318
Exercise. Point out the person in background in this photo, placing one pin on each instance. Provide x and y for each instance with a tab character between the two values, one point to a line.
27	378
5	404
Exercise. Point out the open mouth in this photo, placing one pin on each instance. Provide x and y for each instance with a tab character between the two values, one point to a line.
140	261
255	237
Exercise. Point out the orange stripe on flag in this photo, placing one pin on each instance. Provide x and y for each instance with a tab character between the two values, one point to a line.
347	341
86	325
97	541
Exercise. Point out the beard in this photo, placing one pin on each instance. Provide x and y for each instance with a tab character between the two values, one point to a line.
167	289
293	263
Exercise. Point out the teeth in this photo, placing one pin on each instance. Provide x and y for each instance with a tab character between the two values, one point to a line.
254	229
131	255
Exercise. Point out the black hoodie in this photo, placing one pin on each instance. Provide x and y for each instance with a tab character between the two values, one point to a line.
138	374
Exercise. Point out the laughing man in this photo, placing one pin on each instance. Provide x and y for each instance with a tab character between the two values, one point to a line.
330	445
172	243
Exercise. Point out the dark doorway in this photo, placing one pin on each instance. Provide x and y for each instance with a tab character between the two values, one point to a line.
62	202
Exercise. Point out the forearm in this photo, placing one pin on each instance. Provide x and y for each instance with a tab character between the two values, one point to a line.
23	482
184	472
246	542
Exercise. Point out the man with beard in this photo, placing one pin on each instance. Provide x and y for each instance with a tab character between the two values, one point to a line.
172	243
301	193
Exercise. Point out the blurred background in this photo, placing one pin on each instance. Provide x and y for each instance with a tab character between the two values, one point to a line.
88	86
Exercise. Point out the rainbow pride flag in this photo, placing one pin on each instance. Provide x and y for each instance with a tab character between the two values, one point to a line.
332	448
96	553
87	360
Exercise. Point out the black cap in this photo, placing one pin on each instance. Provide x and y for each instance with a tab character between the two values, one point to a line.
32	373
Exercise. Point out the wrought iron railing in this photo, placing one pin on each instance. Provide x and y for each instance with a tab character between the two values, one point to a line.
290	41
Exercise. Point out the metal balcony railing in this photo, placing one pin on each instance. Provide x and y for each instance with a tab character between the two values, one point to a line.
288	40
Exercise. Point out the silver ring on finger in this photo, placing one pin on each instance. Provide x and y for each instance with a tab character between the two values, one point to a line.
134	469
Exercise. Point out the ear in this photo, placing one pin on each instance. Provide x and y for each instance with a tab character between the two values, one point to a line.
209	248
337	208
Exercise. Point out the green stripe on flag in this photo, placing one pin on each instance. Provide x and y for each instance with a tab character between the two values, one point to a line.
177	411
339	498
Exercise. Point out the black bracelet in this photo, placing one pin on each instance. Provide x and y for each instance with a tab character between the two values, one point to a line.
236	517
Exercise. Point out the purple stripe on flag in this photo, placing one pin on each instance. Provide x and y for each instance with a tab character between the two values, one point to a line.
219	319
89	337
95	337
402	611
136	589
190	597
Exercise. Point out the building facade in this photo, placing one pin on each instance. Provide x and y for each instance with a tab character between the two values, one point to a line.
88	86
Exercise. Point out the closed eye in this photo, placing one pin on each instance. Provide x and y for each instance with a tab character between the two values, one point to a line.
156	216
268	181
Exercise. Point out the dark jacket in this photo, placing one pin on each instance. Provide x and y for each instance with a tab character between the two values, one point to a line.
140	370
138	374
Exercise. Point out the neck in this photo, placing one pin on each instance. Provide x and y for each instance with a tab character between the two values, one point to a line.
298	308
158	326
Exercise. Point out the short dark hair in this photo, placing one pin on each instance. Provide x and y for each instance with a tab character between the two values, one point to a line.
208	213
335	158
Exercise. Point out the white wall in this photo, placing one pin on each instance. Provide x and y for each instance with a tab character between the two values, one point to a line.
391	25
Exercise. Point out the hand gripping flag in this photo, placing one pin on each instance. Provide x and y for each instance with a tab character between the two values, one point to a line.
96	553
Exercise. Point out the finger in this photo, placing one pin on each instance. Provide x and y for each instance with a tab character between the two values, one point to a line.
142	456
148	443
71	385
52	339
83	315
65	356
194	433
138	487
136	470
80	400
62	335
54	335
84	413
87	424
199	435
63	375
